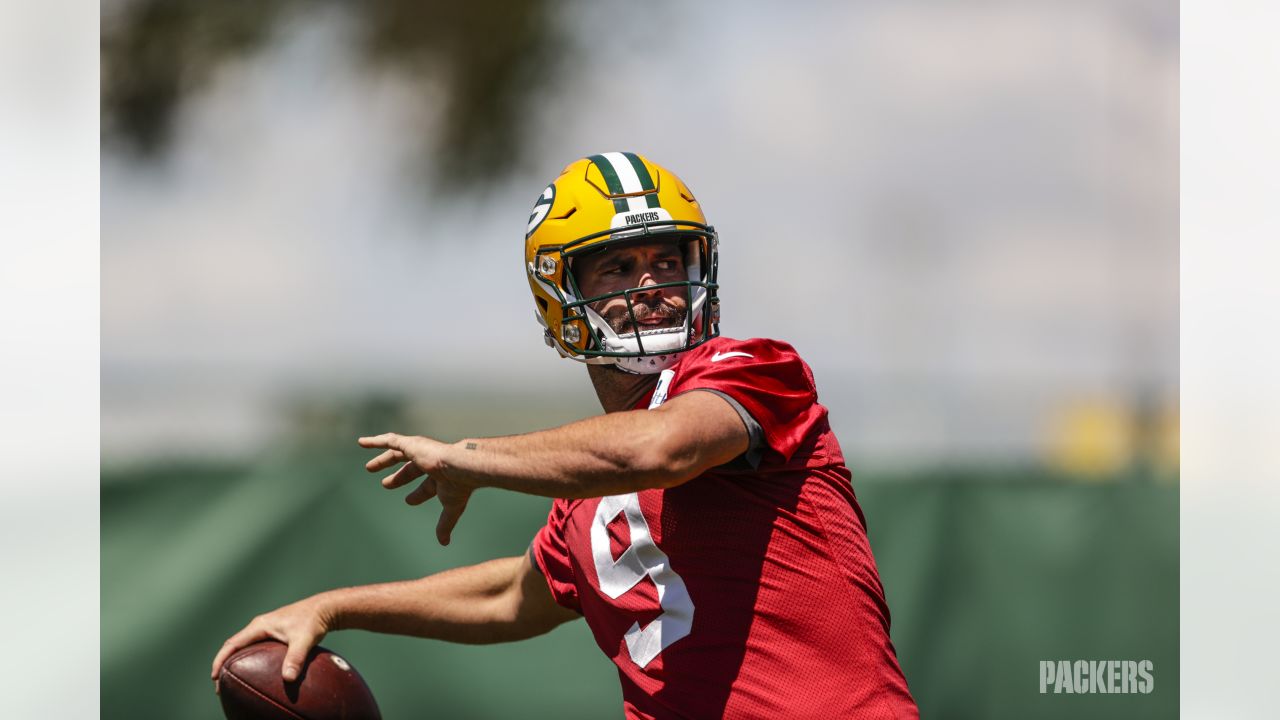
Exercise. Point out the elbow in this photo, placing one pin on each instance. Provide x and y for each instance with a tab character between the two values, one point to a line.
665	462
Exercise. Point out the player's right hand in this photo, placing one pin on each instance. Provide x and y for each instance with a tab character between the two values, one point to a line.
301	626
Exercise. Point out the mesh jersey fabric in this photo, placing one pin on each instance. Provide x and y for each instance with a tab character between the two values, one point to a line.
745	592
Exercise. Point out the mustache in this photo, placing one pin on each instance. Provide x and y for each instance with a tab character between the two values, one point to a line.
622	324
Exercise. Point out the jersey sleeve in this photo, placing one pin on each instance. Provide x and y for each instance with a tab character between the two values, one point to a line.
550	554
769	380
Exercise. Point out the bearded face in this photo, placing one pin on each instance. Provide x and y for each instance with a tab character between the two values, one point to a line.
663	314
638	269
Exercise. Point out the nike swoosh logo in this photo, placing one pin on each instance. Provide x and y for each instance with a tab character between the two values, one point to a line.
721	356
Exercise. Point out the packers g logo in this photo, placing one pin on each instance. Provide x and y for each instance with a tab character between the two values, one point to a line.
540	209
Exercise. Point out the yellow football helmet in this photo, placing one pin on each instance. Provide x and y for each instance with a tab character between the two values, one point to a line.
602	201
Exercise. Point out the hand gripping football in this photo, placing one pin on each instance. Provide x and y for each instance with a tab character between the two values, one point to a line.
328	688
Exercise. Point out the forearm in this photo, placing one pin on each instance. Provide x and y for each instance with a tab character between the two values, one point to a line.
476	605
604	455
611	454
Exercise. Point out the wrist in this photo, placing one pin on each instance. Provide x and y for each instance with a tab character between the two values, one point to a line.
460	461
329	609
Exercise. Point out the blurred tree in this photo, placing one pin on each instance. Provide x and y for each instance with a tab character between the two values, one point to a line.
489	57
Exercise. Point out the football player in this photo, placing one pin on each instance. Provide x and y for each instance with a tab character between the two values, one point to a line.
704	526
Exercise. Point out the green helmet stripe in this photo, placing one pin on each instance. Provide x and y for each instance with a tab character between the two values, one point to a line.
646	180
642	172
611	181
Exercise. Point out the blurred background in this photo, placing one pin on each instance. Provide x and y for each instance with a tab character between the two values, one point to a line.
963	215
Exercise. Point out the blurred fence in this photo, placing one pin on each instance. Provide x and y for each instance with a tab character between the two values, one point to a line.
986	575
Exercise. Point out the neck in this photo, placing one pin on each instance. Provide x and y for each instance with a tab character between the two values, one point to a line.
619	390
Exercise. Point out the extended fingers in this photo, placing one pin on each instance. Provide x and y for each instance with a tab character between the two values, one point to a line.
385	460
406	474
449	515
422	493
385	440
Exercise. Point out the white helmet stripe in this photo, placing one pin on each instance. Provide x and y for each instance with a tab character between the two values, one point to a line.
625	172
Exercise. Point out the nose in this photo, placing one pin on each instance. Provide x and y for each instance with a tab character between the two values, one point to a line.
645	283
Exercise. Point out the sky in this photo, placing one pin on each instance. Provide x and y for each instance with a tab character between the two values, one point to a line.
964	216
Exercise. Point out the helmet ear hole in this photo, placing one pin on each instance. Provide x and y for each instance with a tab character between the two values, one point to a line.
542	303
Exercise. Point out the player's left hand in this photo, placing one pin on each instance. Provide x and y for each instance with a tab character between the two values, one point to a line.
421	456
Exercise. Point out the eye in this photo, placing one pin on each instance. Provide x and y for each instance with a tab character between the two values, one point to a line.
669	265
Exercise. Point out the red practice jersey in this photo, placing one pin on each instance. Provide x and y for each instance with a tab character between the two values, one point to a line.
747	592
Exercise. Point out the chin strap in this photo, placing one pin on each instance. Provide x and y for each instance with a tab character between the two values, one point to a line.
672	340
645	365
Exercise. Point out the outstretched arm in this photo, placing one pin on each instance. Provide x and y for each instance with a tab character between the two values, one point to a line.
496	601
605	455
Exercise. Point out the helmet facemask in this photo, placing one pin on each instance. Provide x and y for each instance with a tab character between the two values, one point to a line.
625	342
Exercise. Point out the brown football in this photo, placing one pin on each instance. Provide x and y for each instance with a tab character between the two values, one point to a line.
329	688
